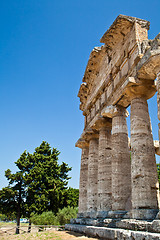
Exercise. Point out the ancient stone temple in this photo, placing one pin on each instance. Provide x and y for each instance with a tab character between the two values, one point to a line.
119	186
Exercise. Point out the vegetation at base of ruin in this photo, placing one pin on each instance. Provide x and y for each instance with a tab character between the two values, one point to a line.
46	218
39	185
49	218
7	218
64	215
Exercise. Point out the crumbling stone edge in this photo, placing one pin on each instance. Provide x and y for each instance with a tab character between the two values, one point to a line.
112	233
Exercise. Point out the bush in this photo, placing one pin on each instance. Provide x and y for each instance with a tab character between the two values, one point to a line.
3	217
64	215
46	218
6	218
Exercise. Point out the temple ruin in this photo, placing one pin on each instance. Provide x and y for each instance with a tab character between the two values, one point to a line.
118	177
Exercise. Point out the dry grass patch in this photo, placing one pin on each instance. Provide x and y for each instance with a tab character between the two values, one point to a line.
52	234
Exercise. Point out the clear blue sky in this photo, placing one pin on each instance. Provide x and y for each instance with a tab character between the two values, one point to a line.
44	49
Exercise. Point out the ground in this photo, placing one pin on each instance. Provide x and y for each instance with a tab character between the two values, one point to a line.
46	235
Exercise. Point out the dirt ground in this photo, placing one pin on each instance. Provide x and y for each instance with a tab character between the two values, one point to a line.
51	234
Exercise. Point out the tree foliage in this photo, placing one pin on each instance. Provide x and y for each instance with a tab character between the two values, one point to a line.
39	185
12	197
46	180
72	197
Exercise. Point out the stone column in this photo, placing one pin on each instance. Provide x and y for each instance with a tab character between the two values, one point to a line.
104	170
104	199
158	99
121	162
144	170
92	174
83	177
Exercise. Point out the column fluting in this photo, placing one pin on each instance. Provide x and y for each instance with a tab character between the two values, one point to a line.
92	174
83	178
121	162
144	169
104	200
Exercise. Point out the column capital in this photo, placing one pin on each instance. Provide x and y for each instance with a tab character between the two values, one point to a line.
111	111
143	89
82	143
102	123
91	136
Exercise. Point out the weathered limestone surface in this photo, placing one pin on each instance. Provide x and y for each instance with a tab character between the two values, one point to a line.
130	224
120	73
112	233
92	175
158	94
158	103
144	170
121	163
83	178
105	168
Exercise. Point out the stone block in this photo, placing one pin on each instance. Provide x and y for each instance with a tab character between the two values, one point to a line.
156	226
144	214
112	233
103	98
116	79
124	68
109	90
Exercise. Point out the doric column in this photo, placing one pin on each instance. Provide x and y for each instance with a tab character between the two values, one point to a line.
92	173
158	99
121	162
83	176
144	170
104	170
104	199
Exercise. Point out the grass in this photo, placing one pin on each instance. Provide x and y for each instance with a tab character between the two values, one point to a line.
6	224
27	236
33	236
52	234
44	235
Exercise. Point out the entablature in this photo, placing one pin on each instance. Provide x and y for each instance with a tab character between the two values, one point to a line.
127	61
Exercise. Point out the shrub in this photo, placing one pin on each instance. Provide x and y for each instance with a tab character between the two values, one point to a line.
64	215
3	217
46	218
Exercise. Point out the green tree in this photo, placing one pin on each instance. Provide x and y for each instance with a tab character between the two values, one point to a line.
46	180
40	183
8	201
72	197
12	197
